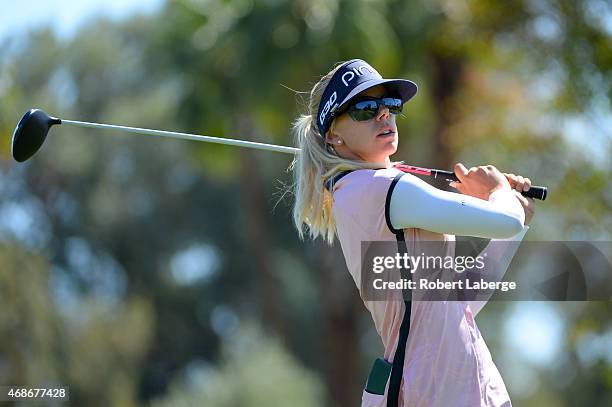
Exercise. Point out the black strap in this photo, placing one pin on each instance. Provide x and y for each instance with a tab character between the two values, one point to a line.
398	359
332	180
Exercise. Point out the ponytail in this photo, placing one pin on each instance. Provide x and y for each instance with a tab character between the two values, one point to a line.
313	164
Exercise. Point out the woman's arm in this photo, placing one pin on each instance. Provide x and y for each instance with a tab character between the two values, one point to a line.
416	204
499	255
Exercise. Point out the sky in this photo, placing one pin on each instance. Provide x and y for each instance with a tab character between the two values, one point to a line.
66	16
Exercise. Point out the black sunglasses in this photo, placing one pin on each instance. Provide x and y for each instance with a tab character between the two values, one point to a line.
366	108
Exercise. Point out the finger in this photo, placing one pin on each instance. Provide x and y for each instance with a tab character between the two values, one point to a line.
511	179
526	202
520	182
460	171
457	185
520	197
461	188
527	184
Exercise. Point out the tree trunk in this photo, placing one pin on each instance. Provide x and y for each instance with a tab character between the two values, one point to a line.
257	234
340	336
447	72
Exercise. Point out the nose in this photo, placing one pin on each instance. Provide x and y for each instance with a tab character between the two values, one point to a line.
383	113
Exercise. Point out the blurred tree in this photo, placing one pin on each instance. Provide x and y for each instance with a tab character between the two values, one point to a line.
180	236
255	371
28	354
96	351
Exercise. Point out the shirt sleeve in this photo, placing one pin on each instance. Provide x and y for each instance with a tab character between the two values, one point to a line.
416	204
499	256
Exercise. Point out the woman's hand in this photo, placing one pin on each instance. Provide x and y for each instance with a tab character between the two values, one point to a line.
528	206
519	184
480	181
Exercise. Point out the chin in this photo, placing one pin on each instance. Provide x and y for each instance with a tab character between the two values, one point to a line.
385	148
391	147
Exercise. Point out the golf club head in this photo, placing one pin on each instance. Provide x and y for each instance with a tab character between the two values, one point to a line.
30	133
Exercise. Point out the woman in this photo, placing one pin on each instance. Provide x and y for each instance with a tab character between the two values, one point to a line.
350	125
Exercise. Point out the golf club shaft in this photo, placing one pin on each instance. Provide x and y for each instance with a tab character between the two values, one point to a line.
534	192
186	136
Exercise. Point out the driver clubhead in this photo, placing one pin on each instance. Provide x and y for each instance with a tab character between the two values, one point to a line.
30	133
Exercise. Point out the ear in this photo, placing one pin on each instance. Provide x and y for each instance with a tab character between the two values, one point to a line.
332	138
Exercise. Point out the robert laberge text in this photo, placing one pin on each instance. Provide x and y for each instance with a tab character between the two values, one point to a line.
425	284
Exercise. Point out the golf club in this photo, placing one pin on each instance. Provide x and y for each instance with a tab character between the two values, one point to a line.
32	130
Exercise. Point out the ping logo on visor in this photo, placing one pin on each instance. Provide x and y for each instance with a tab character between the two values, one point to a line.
349	80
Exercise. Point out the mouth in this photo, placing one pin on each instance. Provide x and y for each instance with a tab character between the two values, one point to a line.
386	133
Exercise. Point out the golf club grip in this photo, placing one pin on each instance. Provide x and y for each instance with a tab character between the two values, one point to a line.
535	192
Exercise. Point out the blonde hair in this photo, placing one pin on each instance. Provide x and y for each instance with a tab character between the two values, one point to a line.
313	165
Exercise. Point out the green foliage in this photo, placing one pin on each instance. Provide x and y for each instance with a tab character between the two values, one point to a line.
497	83
28	321
255	370
96	350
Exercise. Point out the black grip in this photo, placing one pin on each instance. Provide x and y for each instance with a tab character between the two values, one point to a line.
535	192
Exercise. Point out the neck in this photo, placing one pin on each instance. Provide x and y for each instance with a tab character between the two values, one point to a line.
344	152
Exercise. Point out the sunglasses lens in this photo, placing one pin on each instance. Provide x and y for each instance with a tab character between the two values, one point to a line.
393	104
368	109
365	110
